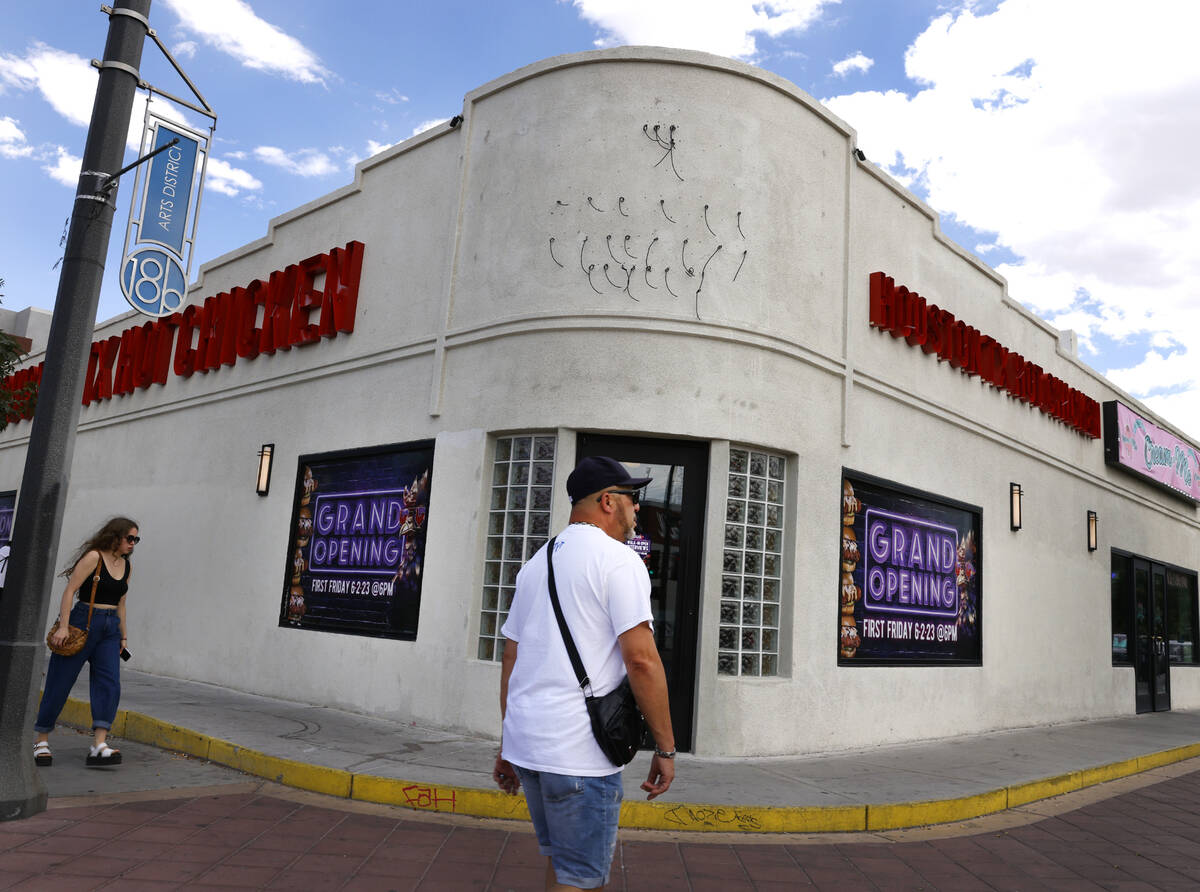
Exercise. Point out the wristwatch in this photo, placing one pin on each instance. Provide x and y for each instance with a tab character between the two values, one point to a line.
664	755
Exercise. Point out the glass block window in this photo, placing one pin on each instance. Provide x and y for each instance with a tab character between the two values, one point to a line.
518	525
752	565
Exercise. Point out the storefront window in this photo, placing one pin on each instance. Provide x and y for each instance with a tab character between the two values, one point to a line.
752	563
518	525
1122	609
1139	621
1181	617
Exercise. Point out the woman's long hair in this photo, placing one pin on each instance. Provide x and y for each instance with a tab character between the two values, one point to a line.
104	539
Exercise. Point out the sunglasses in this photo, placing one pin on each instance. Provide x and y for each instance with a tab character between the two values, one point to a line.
634	494
133	540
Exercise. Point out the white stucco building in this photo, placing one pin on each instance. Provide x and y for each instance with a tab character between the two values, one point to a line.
669	258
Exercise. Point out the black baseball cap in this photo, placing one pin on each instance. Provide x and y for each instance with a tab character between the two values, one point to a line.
597	472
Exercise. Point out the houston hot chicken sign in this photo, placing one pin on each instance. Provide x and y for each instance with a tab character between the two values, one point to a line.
905	314
286	309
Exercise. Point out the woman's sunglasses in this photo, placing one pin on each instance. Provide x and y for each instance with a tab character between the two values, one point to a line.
133	540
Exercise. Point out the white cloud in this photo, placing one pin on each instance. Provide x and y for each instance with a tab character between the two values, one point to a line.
12	139
726	28
1169	383
1159	373
428	125
65	168
186	49
305	162
66	81
857	62
374	147
1181	409
1063	127
391	97
223	177
233	28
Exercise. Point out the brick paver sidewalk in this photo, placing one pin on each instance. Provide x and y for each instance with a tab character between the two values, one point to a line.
1143	839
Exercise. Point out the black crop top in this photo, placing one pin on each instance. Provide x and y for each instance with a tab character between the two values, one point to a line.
108	591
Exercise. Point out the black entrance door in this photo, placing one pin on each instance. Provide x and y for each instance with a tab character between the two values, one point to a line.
672	518
1151	657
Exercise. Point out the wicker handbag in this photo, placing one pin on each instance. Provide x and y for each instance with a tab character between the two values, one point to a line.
76	637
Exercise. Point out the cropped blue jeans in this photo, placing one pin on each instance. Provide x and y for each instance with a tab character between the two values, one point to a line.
103	652
575	819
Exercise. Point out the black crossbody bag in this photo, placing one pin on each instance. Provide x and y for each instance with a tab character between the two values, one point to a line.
617	724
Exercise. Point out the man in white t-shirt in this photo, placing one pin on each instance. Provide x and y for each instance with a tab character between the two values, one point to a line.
572	789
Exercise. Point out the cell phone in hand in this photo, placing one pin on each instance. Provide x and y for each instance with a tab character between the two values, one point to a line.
125	655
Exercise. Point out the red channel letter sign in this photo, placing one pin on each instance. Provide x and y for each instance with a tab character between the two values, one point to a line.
905	314
283	312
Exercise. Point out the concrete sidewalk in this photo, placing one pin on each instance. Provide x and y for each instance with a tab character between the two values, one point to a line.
343	754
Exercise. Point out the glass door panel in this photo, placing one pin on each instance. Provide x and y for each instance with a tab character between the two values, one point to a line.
1143	649
1162	659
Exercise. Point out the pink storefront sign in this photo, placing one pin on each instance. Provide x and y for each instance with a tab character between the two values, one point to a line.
1143	448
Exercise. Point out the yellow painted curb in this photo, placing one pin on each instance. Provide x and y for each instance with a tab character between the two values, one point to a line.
439	797
423	796
146	729
898	815
1102	774
318	779
78	714
1167	757
639	814
1021	794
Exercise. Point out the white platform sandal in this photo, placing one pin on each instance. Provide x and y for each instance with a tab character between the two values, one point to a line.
101	755
42	756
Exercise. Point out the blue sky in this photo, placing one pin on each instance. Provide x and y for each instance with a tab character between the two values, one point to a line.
1054	136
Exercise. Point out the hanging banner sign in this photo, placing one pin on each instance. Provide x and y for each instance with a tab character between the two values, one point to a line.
161	234
1141	447
168	188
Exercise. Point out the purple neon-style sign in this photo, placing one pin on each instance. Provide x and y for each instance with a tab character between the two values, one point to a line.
360	532
909	565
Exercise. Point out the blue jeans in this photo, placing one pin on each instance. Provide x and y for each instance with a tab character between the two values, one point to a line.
103	651
576	822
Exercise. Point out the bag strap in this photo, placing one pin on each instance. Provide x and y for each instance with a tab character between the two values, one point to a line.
585	683
95	583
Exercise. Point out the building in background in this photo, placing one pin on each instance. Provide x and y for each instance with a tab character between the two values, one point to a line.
881	511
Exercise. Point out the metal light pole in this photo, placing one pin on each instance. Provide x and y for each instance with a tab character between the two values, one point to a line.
38	522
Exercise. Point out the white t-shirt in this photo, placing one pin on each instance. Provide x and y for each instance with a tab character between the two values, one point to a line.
604	590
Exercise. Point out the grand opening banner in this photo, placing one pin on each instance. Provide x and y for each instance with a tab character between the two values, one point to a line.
911	576
357	550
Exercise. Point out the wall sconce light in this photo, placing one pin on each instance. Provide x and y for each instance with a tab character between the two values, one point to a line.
1014	505
264	469
1093	520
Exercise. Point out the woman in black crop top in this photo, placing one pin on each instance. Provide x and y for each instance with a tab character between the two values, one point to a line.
107	552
